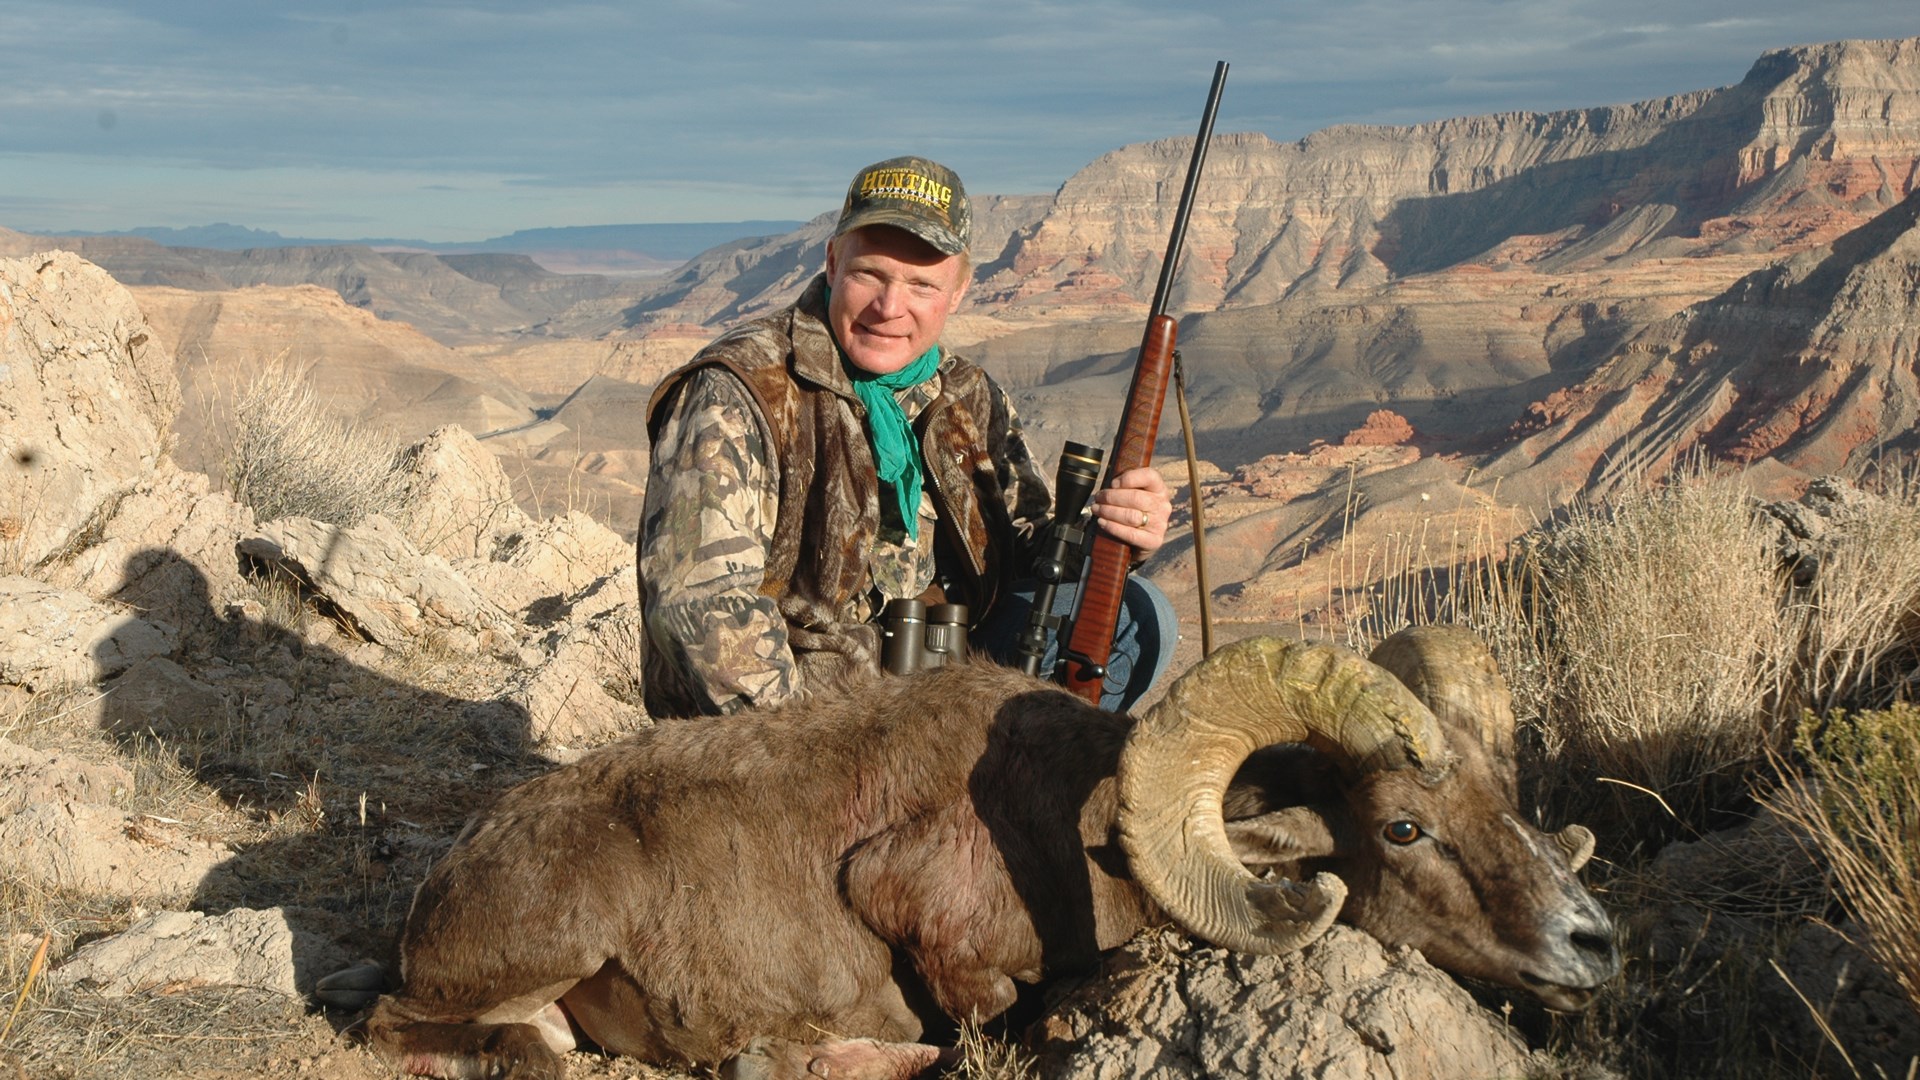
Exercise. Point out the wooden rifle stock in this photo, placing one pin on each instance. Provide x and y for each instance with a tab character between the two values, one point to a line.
1097	611
1083	666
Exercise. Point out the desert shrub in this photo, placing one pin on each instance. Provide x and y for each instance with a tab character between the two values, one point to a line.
1862	637
1649	644
1860	803
290	456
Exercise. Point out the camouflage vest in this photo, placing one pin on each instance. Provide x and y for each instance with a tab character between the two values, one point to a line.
818	563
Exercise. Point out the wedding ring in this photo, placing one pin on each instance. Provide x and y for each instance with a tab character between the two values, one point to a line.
1144	518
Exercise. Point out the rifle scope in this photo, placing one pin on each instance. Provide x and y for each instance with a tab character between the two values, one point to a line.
1059	558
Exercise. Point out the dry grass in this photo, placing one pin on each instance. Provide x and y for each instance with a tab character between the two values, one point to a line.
1862	637
1647	640
1859	800
983	1057
1662	650
292	457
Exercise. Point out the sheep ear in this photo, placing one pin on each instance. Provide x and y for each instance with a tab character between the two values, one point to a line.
1577	841
1280	837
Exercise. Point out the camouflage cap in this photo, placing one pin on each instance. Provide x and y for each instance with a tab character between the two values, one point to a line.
923	197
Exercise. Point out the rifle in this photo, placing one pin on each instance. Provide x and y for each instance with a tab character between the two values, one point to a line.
1083	667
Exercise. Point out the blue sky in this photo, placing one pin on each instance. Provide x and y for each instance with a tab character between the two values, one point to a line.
460	119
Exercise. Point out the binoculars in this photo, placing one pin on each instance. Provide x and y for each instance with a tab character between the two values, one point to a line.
915	637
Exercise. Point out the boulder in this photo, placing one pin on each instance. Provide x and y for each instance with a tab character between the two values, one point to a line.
173	951
373	577
461	502
164	546
569	552
565	697
159	695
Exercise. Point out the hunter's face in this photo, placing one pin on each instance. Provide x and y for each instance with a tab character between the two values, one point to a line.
892	293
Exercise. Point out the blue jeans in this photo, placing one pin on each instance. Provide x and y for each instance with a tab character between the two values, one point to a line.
1143	639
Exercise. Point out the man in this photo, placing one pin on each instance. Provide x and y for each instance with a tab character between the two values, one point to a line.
811	465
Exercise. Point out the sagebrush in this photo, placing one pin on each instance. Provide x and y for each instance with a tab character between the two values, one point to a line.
290	456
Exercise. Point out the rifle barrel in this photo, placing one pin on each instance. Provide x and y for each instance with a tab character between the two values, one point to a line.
1172	262
1089	643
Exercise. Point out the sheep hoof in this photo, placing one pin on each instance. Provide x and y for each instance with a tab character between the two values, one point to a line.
351	988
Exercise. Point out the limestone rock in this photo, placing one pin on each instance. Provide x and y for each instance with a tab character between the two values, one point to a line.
165	546
569	552
462	502
507	587
567	705
159	695
173	951
50	636
594	645
86	400
621	588
1165	1008
376	579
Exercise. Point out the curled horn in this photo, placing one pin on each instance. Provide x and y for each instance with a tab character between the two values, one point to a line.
1179	759
1453	672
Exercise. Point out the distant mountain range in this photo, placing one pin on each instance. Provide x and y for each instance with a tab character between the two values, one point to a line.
1550	303
671	242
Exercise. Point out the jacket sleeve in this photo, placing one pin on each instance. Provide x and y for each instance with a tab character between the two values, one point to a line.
1028	500
711	503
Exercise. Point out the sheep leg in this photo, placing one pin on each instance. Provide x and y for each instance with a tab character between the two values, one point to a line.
460	1051
768	1058
527	1050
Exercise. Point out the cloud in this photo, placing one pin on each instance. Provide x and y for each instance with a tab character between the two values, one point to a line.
759	105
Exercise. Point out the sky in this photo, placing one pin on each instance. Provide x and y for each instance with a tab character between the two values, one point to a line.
459	120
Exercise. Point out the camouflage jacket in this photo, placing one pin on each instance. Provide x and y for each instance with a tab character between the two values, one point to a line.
765	547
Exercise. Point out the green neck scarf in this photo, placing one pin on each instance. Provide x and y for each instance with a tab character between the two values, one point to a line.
896	453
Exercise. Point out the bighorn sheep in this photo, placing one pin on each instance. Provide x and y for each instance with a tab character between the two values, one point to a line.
860	864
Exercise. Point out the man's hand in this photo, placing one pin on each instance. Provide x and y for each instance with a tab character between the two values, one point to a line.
1135	509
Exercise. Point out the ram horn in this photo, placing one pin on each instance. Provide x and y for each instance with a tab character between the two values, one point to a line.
1180	758
1452	671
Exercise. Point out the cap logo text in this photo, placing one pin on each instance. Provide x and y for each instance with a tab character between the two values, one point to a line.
905	184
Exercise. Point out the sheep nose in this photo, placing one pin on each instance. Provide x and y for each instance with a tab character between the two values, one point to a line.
1596	944
1595	947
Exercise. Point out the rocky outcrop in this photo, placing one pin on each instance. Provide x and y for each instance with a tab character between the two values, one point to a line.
1810	366
53	637
460	503
371	577
1166	1008
87	400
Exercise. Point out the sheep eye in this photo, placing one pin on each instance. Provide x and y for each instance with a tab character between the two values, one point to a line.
1402	832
